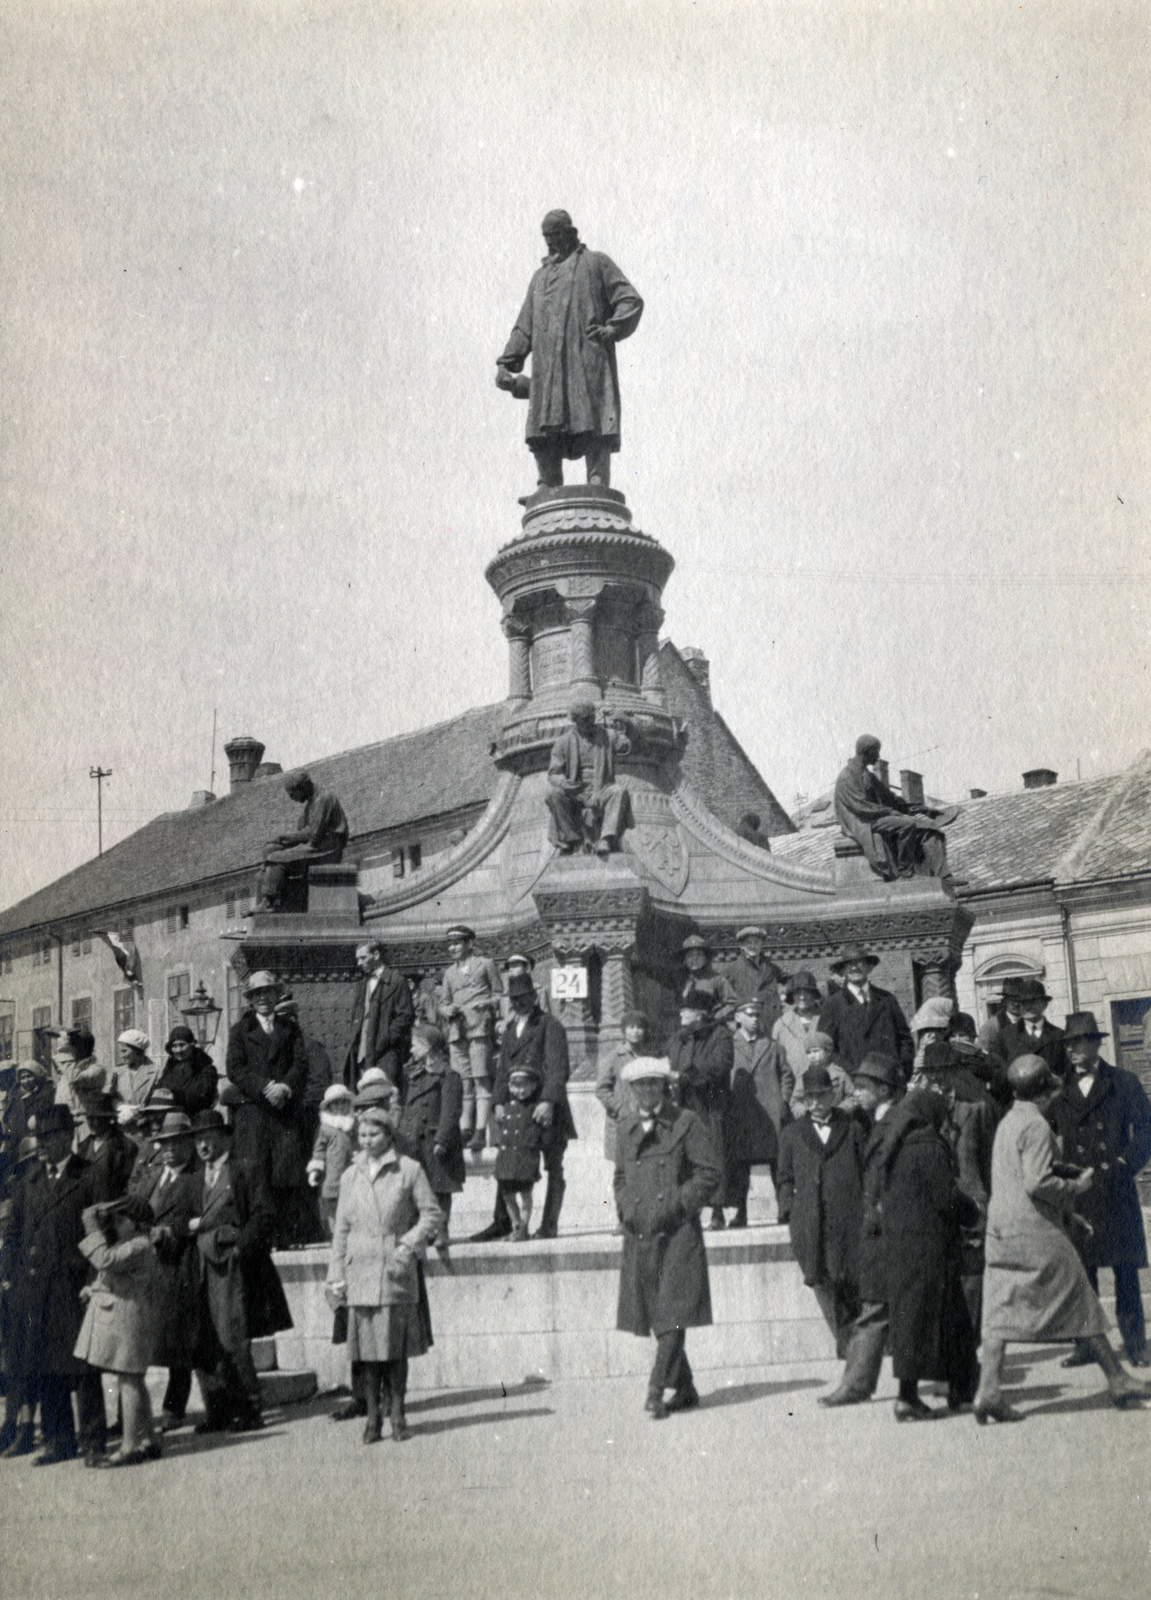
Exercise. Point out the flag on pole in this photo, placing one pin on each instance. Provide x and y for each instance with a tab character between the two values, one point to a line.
123	947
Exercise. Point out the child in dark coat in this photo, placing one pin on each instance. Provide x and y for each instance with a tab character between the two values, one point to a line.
521	1139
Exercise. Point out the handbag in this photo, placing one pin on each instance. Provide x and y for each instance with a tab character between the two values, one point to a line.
340	1325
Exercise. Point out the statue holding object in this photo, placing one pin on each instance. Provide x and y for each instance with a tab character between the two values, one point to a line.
900	840
320	838
589	809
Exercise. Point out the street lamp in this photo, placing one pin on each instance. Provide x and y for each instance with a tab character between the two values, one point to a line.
204	1015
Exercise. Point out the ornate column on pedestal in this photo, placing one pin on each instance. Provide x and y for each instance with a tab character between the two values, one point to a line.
650	681
580	615
519	636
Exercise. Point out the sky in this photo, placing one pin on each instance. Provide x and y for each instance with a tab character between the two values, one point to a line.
886	405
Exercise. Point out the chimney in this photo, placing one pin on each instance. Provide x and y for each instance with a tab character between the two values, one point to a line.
882	772
911	784
700	668
243	758
978	794
1039	778
268	769
200	797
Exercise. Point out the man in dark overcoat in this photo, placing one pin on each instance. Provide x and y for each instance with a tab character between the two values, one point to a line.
702	1056
109	1152
876	1086
756	1110
267	1067
536	1041
1104	1121
175	1193
239	1295
754	976
47	1307
861	1017
821	1198
1032	1034
666	1172
382	1021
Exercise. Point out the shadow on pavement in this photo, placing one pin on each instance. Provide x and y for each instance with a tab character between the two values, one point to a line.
470	1397
450	1424
1097	1400
741	1393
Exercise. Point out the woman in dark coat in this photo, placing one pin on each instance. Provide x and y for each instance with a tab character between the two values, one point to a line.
924	1210
666	1172
429	1126
189	1073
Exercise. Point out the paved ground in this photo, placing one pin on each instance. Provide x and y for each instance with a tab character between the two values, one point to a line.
571	1491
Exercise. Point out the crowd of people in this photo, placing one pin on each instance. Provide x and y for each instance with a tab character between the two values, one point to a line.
946	1192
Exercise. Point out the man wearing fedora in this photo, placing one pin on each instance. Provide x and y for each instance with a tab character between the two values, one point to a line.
1104	1122
383	1018
861	1017
267	1068
1033	1034
109	1152
175	1194
754	976
471	994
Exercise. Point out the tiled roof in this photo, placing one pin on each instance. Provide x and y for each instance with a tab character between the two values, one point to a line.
1067	833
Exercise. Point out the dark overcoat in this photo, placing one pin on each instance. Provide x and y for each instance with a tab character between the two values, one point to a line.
663	1179
268	1139
191	1082
391	1014
820	1189
923	1209
1015	1041
702	1058
240	1293
109	1167
755	1108
543	1046
520	1139
1110	1131
755	981
46	1306
174	1205
872	1272
855	1029
430	1117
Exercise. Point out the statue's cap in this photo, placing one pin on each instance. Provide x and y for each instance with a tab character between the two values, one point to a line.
556	220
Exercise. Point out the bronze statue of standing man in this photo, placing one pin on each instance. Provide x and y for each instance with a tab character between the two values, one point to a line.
578	306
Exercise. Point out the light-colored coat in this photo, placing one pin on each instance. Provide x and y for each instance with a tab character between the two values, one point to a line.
382	1226
1034	1285
118	1331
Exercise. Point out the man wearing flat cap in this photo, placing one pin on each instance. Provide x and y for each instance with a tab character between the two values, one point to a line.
899	840
1104	1122
861	1016
585	801
579	305
320	838
754	976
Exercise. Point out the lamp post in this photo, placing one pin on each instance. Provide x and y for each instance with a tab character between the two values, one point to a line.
203	1015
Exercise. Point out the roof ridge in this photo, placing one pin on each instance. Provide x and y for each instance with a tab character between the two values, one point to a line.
1098	823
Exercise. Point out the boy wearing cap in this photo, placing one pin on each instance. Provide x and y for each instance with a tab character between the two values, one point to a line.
472	991
521	1140
821	1198
818	1053
1104	1122
666	1172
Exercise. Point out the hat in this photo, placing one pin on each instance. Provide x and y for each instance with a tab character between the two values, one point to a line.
460	931
1029	989
940	1057
645	1067
379	1095
879	1068
527	961
135	1038
25	1151
286	1006
695	942
371	1076
524	1072
180	1033
160	1100
31	1066
176	1125
432	1037
519	985
748	1005
336	1091
751	933
98	1107
128	1205
696	999
556	220
803	983
817	1080
1082	1025
637	1019
933	1013
1010	990
209	1122
261	980
54	1119
851	953
820	1041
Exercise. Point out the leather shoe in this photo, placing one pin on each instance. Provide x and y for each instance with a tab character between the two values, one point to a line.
250	1422
492	1231
683	1399
716	1222
50	1458
22	1444
912	1411
549	1232
211	1425
995	1411
1080	1357
1138	1358
349	1410
844	1397
655	1407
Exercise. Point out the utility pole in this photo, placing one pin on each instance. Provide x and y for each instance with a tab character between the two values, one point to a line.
99	773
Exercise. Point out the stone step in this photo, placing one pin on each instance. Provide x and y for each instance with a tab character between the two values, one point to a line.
264	1355
287	1388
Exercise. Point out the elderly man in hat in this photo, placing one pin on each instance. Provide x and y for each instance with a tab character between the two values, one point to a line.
175	1194
899	840
382	1019
471	995
238	1291
876	1090
666	1172
702	1055
145	1127
821	1199
320	838
754	976
1103	1120
586	803
267	1067
861	1017
1035	1288
578	306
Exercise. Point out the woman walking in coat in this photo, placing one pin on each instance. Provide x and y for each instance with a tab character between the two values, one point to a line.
923	1211
386	1216
429	1127
118	1331
666	1172
1034	1284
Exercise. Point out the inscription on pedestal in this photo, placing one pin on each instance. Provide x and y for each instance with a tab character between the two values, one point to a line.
551	660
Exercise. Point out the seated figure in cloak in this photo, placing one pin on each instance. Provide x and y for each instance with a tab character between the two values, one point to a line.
587	805
900	840
320	838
